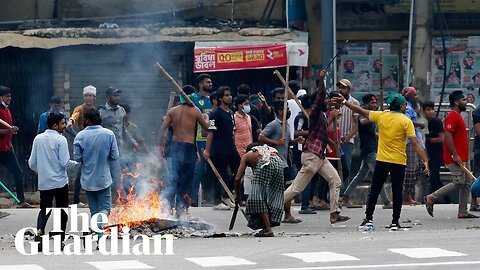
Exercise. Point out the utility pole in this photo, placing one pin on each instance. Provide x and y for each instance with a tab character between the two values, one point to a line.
422	48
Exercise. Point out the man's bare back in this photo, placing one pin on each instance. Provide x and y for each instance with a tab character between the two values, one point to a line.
183	119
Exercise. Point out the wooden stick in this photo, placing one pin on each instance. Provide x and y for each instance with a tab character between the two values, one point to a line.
337	148
225	187
177	87
468	172
285	106
5	123
290	93
171	99
381	78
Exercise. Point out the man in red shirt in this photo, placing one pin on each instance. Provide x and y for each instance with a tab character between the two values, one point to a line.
455	155
7	155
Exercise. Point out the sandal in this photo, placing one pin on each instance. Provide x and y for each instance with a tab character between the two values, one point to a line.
474	207
466	215
292	220
339	218
264	234
429	205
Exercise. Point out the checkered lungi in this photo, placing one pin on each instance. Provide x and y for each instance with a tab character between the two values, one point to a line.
413	172
267	194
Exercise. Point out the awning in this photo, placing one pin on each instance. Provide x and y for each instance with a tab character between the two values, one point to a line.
224	56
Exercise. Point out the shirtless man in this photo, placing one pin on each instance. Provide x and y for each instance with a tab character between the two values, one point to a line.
181	167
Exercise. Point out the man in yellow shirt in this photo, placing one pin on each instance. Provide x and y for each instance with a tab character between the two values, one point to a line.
394	129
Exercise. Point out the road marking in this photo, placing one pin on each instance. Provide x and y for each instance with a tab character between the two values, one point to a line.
371	266
313	257
21	266
423	253
119	265
219	261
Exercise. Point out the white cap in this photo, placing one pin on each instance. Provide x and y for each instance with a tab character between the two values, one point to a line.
90	90
301	92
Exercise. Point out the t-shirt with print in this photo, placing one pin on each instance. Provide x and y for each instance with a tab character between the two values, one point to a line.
455	124
368	140
204	105
273	131
434	150
394	129
222	125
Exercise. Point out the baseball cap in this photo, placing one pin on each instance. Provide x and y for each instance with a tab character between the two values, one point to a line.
301	92
111	91
345	82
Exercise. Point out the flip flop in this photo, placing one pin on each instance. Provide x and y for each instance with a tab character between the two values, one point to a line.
340	219
429	206
292	220
264	234
468	216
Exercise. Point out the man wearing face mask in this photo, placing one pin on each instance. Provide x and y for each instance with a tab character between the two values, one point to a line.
7	155
243	134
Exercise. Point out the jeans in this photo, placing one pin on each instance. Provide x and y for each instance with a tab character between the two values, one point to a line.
460	182
181	172
200	169
9	160
368	165
46	201
311	165
397	174
77	187
347	150
100	201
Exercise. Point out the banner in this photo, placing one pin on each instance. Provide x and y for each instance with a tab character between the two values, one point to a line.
208	59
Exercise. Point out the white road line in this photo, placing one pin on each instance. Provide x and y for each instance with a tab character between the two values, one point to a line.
423	253
21	266
119	265
314	257
219	261
371	266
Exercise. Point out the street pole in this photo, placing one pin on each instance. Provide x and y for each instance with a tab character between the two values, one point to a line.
409	49
422	48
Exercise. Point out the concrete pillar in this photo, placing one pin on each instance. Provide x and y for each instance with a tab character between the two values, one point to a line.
422	47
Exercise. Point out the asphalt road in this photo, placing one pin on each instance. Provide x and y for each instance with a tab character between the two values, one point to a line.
443	242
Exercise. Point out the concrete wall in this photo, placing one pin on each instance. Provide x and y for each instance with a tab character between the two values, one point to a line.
26	10
128	67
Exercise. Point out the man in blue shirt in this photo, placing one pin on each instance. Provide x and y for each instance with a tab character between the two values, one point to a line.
50	159
55	106
95	147
412	172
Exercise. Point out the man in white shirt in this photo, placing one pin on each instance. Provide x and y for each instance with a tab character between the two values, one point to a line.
50	159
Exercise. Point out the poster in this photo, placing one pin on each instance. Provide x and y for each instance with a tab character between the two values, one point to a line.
364	73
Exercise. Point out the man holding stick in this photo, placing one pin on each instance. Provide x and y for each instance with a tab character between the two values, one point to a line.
183	119
264	205
394	128
221	147
314	161
7	155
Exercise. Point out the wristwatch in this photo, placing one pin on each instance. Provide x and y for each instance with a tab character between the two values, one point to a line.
344	101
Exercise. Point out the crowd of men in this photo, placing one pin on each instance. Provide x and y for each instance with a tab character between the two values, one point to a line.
268	155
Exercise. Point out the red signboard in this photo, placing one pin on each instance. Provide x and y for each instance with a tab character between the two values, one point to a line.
239	57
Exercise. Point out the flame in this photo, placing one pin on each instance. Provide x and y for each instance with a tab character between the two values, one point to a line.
133	208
